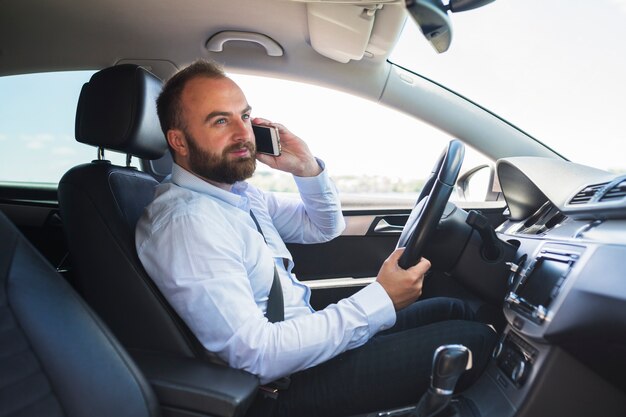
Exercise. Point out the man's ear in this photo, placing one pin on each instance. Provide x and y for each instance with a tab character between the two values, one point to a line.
178	142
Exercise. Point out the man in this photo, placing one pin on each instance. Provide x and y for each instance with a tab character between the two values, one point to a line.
212	244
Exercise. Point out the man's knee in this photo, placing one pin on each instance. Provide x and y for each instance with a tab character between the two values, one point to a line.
478	337
481	340
448	308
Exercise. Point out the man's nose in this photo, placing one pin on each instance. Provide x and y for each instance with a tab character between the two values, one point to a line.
242	131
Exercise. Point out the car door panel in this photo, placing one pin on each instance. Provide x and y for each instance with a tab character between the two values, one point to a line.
333	270
34	210
358	252
336	269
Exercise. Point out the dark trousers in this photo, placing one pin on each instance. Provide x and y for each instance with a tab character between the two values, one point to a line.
393	368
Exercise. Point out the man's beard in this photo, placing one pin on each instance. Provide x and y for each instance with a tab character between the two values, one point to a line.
220	168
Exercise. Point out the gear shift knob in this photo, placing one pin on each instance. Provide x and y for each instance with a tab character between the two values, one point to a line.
449	363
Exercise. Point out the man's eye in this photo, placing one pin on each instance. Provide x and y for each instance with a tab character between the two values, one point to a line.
246	117
220	121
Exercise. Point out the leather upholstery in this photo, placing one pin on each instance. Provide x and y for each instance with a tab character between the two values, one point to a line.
100	204
117	110
56	357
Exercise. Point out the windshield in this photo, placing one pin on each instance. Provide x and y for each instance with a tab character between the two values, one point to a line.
555	69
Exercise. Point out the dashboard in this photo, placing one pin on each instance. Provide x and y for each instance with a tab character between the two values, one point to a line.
565	343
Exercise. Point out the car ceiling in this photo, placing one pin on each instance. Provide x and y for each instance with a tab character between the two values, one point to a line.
164	35
47	35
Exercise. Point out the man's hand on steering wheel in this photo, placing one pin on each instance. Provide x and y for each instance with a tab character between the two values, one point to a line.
403	286
402	274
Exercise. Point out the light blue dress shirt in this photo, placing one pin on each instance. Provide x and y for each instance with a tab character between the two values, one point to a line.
202	249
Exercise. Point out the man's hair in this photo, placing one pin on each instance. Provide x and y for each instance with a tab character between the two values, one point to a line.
169	106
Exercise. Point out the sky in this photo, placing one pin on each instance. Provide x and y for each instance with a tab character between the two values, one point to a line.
37	125
554	68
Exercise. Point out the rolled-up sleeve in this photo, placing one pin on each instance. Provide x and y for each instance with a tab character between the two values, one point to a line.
314	218
276	350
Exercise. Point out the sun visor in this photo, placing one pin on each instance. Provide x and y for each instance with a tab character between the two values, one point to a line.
343	32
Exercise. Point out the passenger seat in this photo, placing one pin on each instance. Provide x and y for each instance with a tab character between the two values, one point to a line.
57	358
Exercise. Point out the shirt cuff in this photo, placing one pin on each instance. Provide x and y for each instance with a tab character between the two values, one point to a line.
313	185
378	307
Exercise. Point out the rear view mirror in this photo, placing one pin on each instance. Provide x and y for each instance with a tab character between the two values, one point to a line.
433	20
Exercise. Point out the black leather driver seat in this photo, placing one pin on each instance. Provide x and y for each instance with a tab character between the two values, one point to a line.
56	357
100	204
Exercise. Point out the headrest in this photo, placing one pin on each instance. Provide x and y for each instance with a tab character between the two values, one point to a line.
117	110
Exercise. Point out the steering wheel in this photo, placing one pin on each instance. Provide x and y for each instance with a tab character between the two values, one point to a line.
430	204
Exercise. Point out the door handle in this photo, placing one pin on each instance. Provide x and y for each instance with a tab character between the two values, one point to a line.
384	227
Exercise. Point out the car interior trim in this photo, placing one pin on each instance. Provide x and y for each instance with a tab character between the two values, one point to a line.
330	283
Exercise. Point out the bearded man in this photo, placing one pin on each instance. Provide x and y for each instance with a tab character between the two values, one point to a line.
215	247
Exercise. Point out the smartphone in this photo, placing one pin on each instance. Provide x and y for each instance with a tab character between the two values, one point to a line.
267	139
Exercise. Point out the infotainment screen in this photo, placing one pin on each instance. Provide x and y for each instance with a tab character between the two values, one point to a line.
541	285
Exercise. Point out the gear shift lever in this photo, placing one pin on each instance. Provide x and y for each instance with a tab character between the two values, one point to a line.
449	363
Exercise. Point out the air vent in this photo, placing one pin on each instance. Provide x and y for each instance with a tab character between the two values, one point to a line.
616	192
586	194
544	219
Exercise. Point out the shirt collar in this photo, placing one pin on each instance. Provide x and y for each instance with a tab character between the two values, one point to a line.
236	197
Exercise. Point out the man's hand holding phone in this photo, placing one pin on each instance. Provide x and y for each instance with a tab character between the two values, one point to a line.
294	156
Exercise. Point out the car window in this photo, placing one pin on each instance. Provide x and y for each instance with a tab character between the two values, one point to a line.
375	155
37	113
554	77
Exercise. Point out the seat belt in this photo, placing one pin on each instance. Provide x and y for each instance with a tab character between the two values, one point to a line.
275	311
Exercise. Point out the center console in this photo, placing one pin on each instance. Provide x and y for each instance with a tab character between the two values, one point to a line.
530	305
530	375
533	372
536	286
